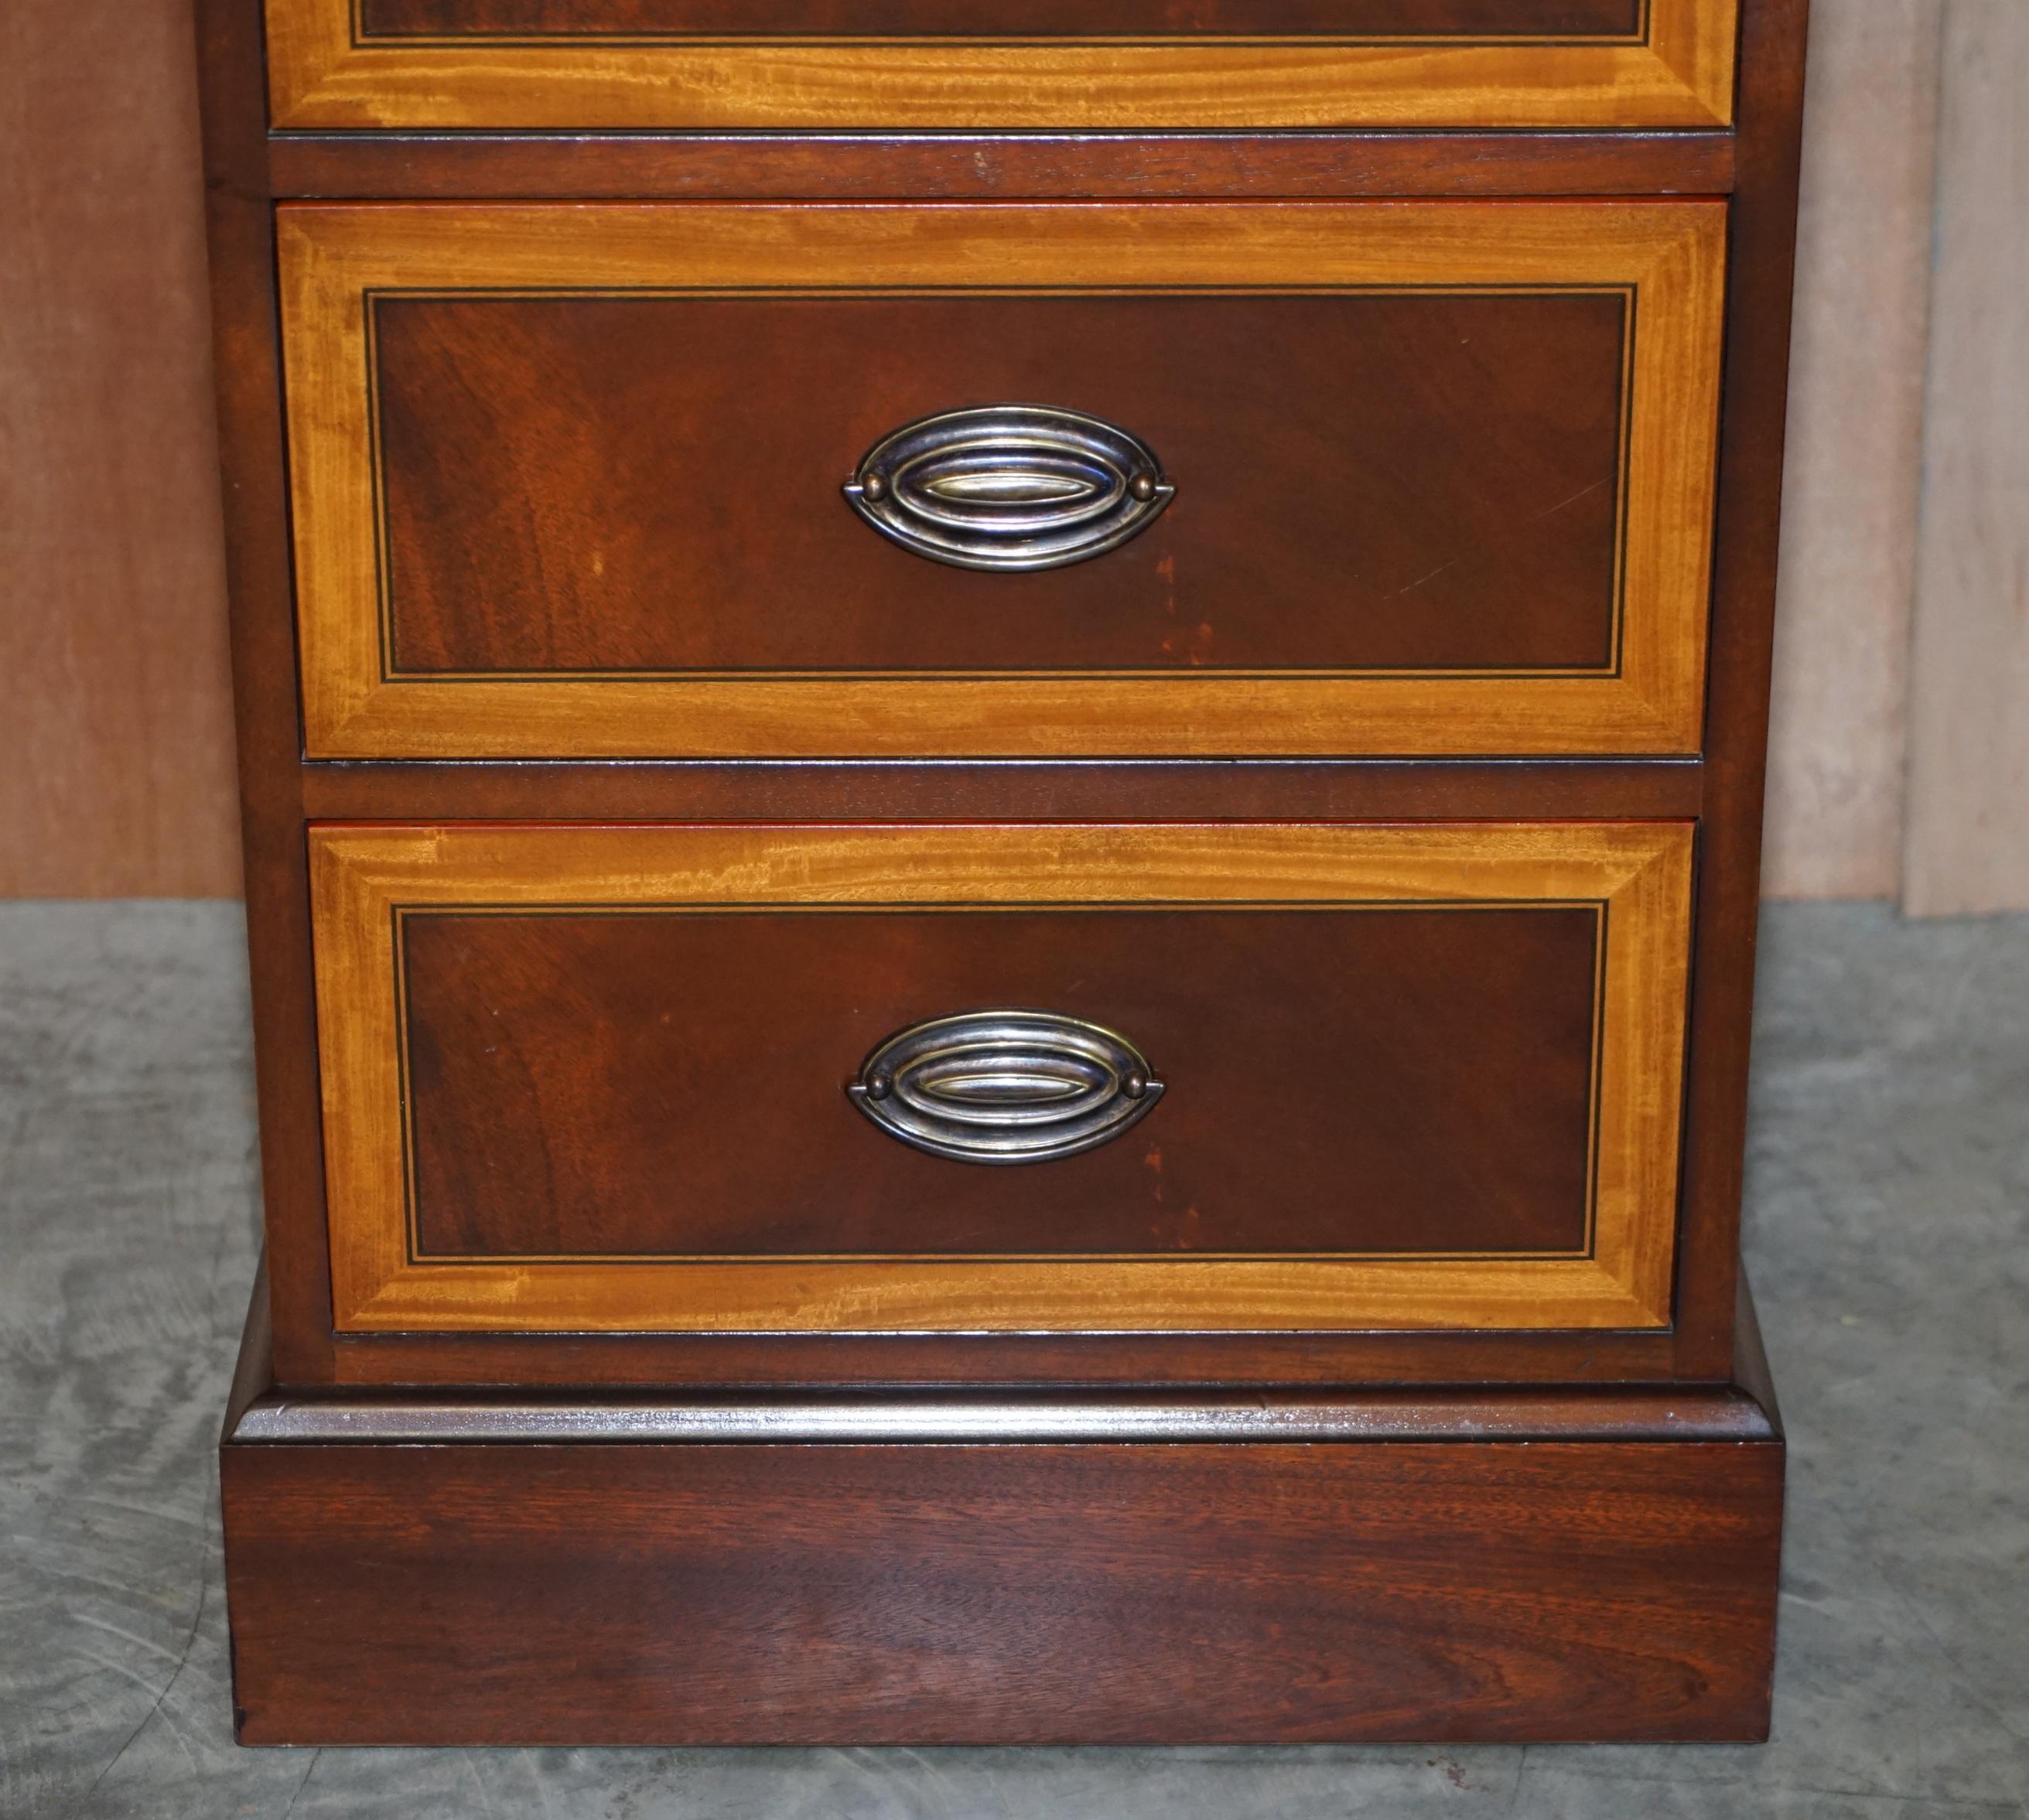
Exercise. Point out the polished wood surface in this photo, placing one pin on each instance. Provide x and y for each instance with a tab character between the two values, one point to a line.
246	365
1669	257
1678	71
1843	680
363	875
1834	821
1011	166
682	1593
1597	1562
1836	767
618	485
1118	790
984	1364
1742	1409
243	167
1750	510
409	20
670	1084
1311	1355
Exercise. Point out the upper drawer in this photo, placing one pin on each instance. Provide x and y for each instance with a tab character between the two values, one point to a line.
621	481
846	63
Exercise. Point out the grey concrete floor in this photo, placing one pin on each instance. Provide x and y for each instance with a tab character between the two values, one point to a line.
1887	1207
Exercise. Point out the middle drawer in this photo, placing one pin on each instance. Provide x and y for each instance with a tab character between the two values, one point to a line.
1414	478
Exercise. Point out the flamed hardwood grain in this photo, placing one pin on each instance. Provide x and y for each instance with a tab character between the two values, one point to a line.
1542	1386
774	1363
599	556
361	874
1678	72
1365	482
690	1594
1393	1080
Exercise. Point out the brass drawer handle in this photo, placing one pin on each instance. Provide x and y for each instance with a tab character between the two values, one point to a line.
1003	1087
1010	487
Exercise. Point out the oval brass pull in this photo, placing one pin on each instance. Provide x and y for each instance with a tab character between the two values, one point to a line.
1003	1086
1010	487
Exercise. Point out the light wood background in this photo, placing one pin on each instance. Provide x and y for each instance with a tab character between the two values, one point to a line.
1900	754
1899	765
116	744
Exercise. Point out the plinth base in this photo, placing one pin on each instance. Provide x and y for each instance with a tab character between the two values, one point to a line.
1435	1565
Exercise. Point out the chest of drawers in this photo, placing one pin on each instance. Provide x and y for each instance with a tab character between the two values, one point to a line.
1002	796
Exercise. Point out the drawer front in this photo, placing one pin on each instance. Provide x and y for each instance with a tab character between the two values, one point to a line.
1000	63
1209	1077
1414	478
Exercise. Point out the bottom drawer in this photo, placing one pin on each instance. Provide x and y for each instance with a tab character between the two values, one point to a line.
1205	1077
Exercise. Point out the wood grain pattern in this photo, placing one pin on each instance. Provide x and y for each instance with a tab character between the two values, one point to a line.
588	20
1039	166
247	366
1726	791
665	1083
1641	871
1681	75
1321	1356
1966	847
1835	785
277	787
1751	444
1139	790
592	487
551	1364
1670	254
1742	1408
116	758
469	1594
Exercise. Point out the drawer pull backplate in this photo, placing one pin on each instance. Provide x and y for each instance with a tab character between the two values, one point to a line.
1010	487
1005	1087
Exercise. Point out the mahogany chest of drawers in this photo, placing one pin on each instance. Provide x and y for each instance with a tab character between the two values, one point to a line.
1003	786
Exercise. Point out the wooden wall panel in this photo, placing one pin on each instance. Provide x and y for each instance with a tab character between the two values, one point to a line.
116	749
1836	733
1967	840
